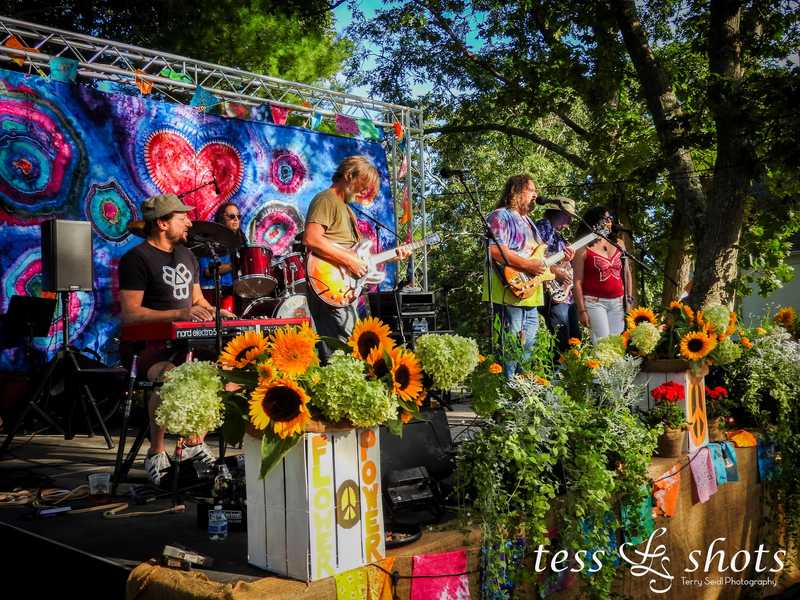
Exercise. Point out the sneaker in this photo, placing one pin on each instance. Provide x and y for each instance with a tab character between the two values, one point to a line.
200	452
156	466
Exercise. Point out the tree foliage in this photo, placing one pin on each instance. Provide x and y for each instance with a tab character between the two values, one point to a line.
678	114
288	39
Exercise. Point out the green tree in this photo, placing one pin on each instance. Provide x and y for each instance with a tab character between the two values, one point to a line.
291	40
663	101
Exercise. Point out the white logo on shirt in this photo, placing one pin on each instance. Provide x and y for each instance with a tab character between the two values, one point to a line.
179	278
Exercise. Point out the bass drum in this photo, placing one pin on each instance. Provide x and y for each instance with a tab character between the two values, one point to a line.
286	307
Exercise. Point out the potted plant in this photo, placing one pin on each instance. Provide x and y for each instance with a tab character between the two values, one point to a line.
668	413
717	411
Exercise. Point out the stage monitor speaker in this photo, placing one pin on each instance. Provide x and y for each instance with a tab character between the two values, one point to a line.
67	257
425	443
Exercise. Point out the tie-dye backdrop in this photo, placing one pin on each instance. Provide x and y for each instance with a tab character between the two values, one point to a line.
73	152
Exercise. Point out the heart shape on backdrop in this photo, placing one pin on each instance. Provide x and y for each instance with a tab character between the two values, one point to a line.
175	167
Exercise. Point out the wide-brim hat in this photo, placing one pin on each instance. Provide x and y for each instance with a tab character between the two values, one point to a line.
160	206
561	203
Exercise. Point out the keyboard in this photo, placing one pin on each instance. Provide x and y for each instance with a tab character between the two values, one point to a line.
191	331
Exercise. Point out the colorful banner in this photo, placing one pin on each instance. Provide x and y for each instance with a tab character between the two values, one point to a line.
69	151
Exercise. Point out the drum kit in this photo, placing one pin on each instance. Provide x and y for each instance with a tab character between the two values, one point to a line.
265	286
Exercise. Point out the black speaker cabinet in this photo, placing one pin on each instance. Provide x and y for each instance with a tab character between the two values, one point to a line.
67	256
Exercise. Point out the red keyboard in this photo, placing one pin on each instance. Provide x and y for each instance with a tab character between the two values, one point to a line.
200	330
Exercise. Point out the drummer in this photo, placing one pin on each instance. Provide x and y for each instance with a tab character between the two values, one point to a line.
229	216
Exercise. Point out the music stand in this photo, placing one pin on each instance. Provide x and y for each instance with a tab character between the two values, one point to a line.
65	359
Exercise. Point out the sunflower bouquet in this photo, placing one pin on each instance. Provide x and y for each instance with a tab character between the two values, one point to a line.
701	338
283	390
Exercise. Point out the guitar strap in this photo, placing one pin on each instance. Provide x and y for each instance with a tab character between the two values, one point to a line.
353	222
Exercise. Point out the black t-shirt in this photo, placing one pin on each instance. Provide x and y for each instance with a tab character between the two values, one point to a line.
167	278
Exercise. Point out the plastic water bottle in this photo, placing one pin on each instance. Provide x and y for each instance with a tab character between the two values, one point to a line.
217	524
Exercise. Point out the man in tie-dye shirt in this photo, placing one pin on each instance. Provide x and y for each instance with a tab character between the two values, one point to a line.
516	235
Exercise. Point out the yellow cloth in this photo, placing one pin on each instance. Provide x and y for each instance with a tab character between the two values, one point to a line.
330	211
352	584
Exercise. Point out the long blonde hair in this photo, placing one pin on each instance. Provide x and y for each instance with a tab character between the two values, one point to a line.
355	168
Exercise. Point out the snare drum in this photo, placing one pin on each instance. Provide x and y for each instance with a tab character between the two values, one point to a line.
288	307
290	271
256	279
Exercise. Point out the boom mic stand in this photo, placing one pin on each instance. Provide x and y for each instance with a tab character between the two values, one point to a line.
487	237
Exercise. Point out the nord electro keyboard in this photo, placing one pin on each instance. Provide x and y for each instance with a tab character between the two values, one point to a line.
200	330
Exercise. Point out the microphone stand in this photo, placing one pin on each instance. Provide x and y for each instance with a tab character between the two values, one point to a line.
201	186
488	235
216	263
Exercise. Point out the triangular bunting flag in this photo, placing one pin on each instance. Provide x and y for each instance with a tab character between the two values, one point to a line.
346	125
369	131
145	86
63	69
279	114
398	130
352	585
316	121
203	99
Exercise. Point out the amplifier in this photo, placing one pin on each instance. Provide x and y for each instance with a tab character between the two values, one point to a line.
384	304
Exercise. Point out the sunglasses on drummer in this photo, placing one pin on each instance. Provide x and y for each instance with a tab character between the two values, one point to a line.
232	217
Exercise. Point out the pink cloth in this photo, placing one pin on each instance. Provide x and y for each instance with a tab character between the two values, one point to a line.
455	587
705	480
345	124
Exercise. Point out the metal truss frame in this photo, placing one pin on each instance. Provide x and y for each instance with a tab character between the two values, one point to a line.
100	59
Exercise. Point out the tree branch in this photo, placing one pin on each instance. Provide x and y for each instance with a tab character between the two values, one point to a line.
565	118
517	132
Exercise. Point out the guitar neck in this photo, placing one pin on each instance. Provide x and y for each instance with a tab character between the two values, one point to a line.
390	254
576	245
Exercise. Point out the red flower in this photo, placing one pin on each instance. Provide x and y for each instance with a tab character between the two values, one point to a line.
670	391
717	393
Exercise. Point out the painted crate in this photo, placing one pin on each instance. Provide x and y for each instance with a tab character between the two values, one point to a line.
319	511
655	373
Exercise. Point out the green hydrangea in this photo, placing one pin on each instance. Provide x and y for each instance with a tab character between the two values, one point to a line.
609	350
717	316
340	390
191	402
645	337
726	352
447	358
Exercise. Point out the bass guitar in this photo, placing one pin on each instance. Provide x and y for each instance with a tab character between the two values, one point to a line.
336	286
524	285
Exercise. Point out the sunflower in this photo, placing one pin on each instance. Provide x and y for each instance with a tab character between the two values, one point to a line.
420	398
406	374
281	403
785	317
640	315
574	341
495	369
626	338
697	344
704	326
243	349
377	361
368	334
292	350
406	416
266	372
680	307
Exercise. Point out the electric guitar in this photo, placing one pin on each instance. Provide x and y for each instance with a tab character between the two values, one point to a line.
524	285
336	286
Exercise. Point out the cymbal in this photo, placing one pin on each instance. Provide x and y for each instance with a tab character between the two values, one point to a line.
206	231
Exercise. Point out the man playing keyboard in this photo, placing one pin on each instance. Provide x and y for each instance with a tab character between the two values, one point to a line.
158	281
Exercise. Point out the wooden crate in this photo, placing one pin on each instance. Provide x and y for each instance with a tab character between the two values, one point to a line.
655	373
319	511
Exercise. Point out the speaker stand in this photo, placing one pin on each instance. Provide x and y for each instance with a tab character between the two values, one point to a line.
66	359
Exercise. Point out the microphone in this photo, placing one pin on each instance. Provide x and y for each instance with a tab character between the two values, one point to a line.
216	185
447	172
617	229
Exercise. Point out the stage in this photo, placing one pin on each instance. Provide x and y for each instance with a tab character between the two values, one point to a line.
103	558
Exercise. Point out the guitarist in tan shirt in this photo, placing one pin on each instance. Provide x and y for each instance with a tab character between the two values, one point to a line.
331	224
